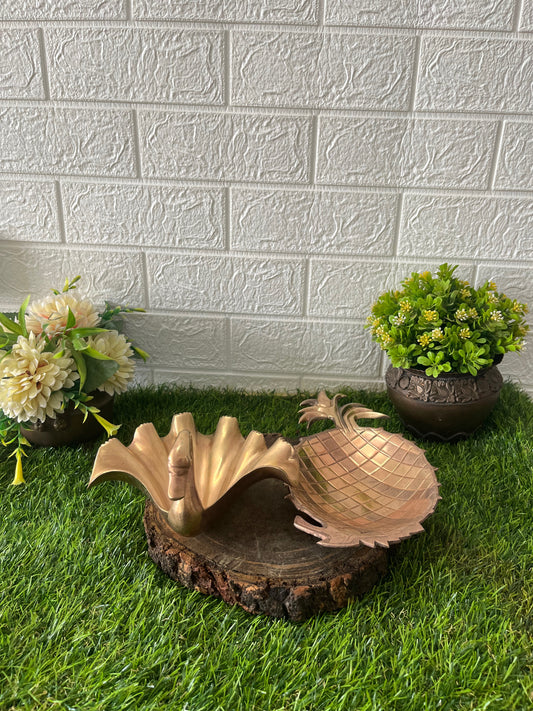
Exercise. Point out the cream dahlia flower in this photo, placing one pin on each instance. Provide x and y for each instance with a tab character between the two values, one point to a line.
115	345
51	314
31	380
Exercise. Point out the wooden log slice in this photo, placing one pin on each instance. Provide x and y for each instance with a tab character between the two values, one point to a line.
254	557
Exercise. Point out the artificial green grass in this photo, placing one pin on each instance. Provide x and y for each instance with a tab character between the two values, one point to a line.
88	622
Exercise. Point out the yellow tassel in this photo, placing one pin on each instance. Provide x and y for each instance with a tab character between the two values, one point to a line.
19	479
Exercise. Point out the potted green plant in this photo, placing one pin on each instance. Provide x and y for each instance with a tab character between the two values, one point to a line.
61	363
444	339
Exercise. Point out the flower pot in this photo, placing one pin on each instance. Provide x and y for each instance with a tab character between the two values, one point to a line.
68	427
447	408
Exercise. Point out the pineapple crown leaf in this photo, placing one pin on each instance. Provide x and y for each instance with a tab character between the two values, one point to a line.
357	411
323	408
352	412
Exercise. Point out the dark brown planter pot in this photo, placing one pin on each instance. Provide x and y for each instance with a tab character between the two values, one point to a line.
447	408
69	427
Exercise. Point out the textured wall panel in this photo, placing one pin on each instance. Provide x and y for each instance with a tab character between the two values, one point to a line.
467	227
237	161
225	284
515	167
526	22
176	341
75	141
20	65
106	275
436	153
304	11
347	289
519	367
478	14
323	222
182	66
225	146
325	71
28	211
155	216
63	10
475	75
278	346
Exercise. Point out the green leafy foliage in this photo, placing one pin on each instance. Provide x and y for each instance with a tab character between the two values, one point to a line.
434	363
442	323
142	354
112	316
98	370
10	325
68	285
22	316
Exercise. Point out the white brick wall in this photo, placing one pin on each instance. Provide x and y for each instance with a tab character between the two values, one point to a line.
352	71
439	14
108	64
255	172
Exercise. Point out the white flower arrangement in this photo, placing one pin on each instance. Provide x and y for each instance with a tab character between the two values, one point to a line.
55	353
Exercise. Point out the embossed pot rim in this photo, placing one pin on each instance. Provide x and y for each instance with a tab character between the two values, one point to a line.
447	407
444	376
450	379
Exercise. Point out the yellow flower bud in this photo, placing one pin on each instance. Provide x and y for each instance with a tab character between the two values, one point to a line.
110	428
19	478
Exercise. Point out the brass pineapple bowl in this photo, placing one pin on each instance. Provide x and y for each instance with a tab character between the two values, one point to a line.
354	485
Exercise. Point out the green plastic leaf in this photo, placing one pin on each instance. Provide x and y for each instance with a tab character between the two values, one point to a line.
424	361
71	319
70	285
10	325
7	340
81	366
115	324
143	354
84	332
79	344
97	355
22	316
98	371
